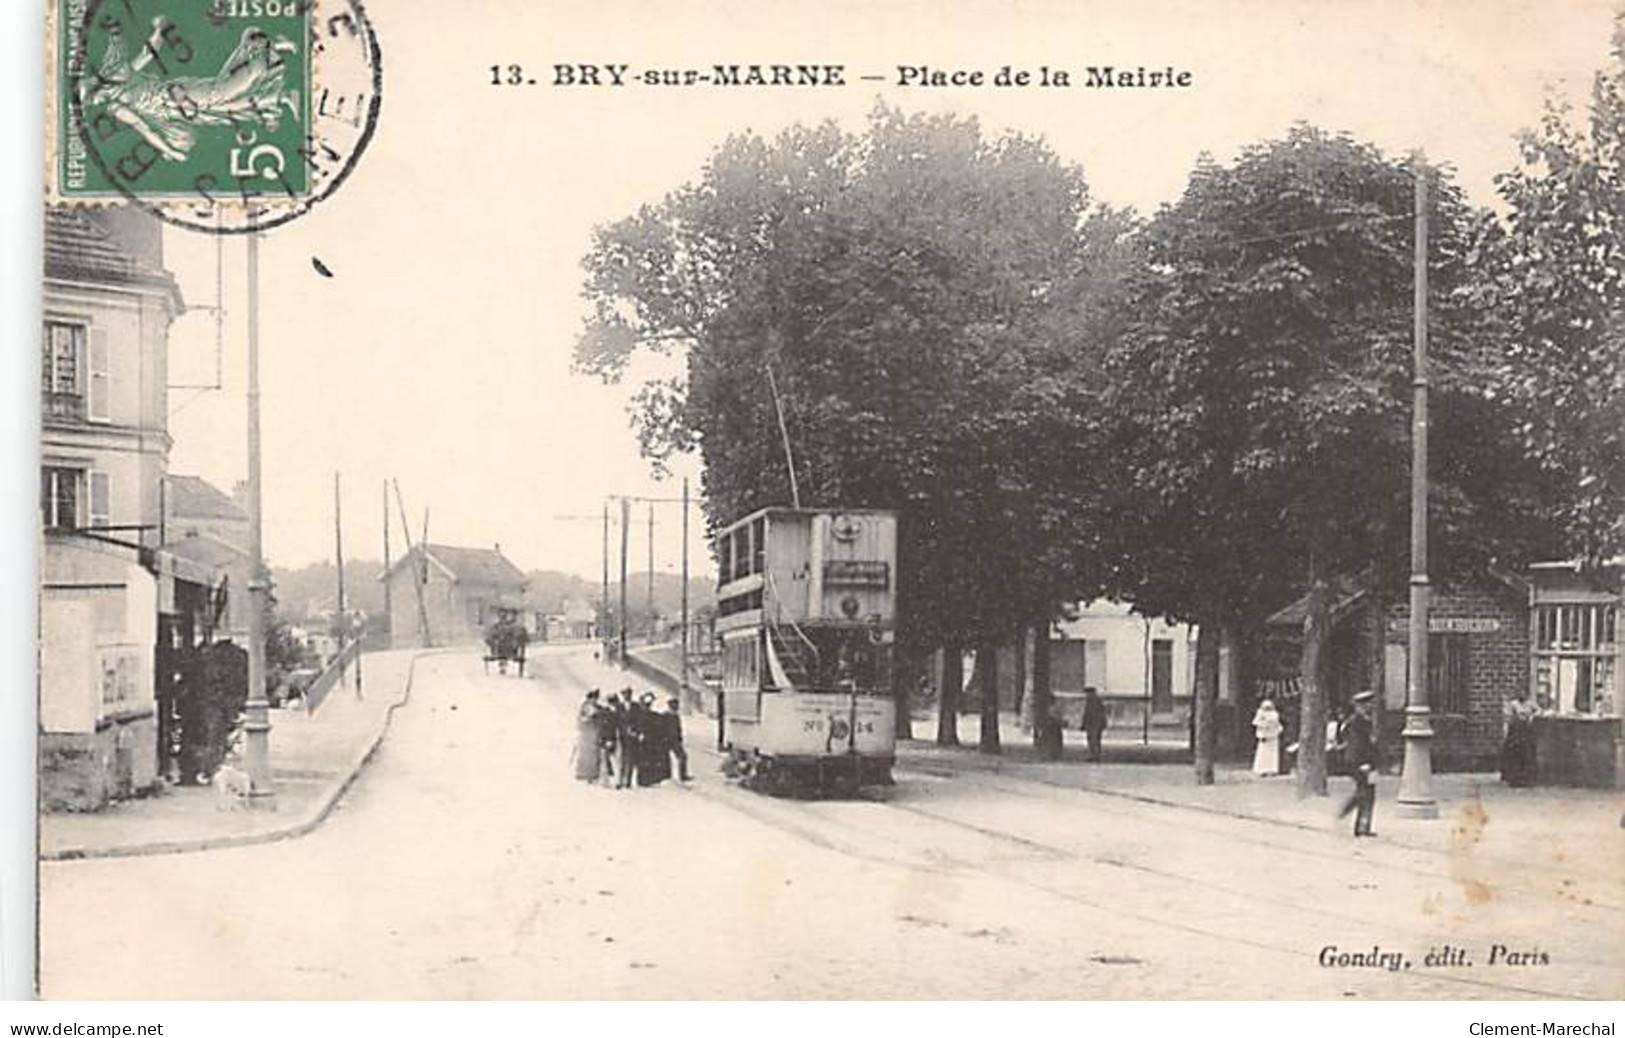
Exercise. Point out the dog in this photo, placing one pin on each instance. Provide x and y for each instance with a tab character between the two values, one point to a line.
231	786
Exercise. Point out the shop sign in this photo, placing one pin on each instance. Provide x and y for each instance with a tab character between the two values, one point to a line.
857	573
1450	624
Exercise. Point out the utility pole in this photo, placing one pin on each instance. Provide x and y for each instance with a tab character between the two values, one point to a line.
257	717
626	512
1416	781
419	559
603	606
649	604
683	622
389	603
338	549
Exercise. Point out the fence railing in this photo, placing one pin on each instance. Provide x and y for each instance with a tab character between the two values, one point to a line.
329	677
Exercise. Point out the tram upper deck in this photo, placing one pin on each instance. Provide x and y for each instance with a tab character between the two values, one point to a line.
807	567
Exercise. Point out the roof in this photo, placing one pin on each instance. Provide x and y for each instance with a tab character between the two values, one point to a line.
1347	592
192	497
1344	593
210	551
466	565
106	246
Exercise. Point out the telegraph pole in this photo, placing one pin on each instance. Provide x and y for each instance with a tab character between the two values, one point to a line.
626	512
603	608
389	603
257	718
649	604
1416	781
683	622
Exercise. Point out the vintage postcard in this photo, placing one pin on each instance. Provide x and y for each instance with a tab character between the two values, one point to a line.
713	501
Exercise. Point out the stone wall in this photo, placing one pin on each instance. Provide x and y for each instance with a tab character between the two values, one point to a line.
84	771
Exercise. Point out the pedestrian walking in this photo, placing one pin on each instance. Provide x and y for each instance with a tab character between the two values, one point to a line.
1360	755
1267	729
587	748
672	719
1094	720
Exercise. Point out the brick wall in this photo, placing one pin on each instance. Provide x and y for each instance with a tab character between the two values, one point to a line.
1497	668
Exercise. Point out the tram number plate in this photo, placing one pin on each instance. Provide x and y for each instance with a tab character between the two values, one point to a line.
818	724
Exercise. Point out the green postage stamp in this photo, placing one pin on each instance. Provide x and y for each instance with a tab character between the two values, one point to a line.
200	109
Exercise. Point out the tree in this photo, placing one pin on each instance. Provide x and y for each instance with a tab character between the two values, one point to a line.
1559	281
1260	391
916	293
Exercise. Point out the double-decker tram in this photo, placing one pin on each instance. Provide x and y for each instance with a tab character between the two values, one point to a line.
806	607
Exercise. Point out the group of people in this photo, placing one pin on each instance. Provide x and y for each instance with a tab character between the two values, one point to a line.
1351	748
626	742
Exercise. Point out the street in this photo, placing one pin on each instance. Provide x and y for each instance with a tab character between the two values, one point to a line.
466	863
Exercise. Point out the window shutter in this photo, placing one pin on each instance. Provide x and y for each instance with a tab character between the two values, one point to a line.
101	383
101	499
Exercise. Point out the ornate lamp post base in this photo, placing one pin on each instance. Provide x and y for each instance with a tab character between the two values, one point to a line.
1415	798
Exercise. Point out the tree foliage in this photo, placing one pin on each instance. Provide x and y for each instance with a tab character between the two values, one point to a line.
1559	288
915	291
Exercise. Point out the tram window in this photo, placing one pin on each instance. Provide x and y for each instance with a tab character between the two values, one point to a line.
758	544
724	569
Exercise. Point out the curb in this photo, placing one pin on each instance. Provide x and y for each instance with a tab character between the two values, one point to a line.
312	818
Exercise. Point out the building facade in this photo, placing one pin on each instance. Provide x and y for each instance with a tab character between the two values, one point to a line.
440	594
205	526
104	449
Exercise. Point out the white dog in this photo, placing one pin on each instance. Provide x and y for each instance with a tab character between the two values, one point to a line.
231	785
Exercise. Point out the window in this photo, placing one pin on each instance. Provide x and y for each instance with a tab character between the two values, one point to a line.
1576	646
60	493
1447	673
61	370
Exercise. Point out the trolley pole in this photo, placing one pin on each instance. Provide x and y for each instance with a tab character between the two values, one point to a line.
1416	781
257	718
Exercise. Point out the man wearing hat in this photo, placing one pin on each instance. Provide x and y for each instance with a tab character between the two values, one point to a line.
1359	746
673	721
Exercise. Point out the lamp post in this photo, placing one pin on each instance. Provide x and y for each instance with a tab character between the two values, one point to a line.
1415	798
257	721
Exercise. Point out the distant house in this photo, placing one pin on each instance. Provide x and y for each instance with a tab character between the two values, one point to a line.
463	591
204	525
195	507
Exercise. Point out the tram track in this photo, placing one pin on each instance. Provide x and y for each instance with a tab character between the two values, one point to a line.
1185	907
1104	801
795	822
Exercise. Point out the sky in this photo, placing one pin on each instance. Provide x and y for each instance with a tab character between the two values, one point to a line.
438	353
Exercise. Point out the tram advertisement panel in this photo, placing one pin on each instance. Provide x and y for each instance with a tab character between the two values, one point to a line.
825	723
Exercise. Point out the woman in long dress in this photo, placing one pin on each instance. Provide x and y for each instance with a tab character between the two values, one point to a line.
1267	726
586	755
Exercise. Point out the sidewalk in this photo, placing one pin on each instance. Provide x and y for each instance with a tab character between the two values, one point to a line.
313	759
1569	830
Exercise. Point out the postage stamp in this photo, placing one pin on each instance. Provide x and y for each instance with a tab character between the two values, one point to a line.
218	115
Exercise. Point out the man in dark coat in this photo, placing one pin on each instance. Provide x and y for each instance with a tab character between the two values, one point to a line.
1094	720
629	735
672	720
654	761
1359	744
